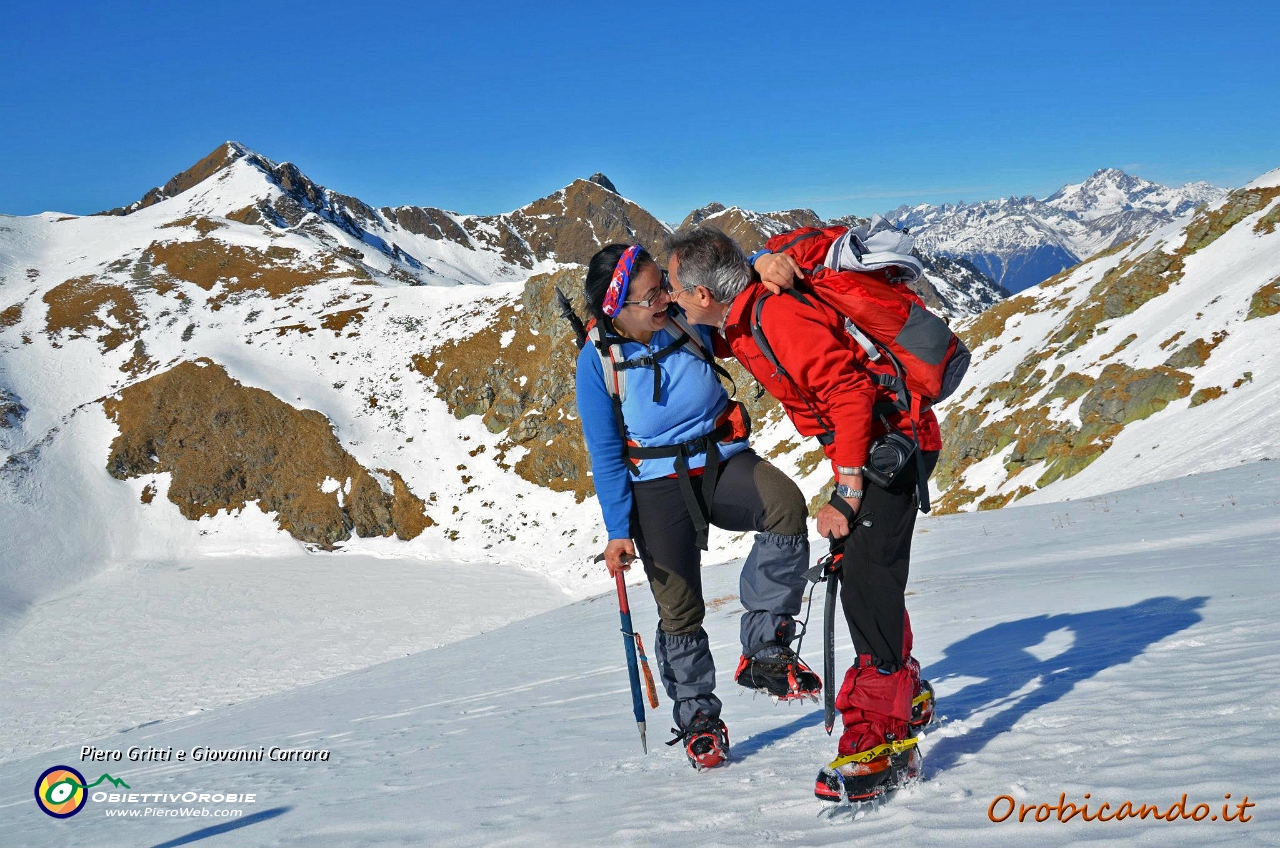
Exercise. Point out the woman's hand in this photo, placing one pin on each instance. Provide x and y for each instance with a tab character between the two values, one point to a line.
778	271
830	521
618	556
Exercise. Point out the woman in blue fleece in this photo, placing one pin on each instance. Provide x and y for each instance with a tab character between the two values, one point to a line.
650	440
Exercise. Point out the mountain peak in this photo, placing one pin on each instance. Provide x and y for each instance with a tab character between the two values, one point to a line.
602	181
221	157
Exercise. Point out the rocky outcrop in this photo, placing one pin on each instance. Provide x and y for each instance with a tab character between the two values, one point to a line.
1117	397
573	223
750	229
1265	301
275	271
227	445
427	221
11	409
518	373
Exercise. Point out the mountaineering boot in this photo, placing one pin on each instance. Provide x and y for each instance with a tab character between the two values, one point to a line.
780	673
706	741
870	773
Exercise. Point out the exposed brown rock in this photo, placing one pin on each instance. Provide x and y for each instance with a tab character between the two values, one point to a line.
991	323
1267	223
1207	394
1118	397
10	316
478	376
1265	301
578	220
74	307
199	223
276	271
226	444
338	321
1196	353
750	229
427	221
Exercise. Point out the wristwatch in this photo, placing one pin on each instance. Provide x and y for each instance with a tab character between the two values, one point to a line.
849	470
848	491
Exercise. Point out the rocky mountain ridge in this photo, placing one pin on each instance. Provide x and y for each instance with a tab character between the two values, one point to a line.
1021	241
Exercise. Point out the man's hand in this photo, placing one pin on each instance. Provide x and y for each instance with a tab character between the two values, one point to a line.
618	556
778	271
831	524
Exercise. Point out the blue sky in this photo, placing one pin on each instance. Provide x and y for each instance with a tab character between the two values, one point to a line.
482	107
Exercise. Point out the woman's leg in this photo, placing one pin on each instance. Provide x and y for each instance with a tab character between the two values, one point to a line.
751	494
666	540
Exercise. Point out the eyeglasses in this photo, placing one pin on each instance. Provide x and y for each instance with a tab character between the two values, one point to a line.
672	292
663	290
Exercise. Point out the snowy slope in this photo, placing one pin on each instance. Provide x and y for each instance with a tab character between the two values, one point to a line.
1142	364
1118	646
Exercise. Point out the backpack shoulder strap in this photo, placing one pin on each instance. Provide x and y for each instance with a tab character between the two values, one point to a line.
695	346
762	342
610	352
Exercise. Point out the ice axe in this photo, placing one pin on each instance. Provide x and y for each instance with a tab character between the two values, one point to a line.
636	659
829	569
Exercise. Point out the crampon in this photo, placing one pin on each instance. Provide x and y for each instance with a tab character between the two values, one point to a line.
780	674
706	742
870	775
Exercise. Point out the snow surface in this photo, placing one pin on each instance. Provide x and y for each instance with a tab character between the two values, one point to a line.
1121	646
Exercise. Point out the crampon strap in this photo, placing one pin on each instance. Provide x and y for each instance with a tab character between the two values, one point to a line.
897	746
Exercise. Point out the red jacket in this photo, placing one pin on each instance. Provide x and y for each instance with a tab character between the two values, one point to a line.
831	369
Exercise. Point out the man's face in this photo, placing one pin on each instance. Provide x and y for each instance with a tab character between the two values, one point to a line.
697	302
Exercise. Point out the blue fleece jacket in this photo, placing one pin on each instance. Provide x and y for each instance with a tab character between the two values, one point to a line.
690	398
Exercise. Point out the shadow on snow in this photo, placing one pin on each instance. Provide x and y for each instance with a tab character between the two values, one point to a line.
217	829
1000	656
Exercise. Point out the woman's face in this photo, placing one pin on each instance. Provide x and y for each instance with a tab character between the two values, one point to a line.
637	319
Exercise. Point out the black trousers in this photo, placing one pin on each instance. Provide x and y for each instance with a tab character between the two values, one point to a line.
877	562
750	494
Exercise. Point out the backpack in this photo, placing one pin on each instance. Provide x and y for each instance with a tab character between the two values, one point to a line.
862	274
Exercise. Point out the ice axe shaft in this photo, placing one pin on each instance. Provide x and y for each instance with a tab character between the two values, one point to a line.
629	639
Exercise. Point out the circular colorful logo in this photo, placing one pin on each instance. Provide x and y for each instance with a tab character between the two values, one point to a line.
60	792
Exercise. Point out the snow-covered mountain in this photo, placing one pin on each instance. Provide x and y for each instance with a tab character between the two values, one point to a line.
1152	357
951	287
1021	241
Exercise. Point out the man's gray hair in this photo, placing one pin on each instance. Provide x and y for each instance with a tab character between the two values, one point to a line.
709	258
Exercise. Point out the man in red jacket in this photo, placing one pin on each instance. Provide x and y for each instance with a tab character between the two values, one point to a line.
829	389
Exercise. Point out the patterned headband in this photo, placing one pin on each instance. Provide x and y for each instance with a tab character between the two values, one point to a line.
617	293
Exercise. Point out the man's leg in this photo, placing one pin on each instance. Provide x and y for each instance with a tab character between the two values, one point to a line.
875	699
666	541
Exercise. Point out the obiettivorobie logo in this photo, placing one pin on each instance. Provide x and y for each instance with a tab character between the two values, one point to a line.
61	791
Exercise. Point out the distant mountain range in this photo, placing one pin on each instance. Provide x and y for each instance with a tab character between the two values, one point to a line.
1021	241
